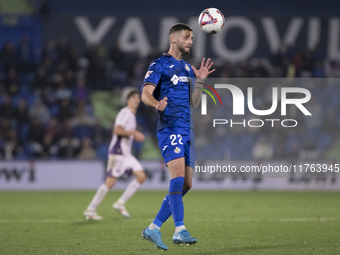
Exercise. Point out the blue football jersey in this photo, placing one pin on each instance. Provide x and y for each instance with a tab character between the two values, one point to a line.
173	79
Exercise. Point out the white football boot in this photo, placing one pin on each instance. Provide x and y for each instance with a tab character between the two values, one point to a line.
121	209
93	215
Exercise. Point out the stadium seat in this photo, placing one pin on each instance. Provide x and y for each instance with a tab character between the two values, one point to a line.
102	151
54	110
25	90
23	132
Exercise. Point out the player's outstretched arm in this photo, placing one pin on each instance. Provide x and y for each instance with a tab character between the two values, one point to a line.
201	74
149	100
120	131
139	137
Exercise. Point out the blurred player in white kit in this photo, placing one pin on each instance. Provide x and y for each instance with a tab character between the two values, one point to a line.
120	159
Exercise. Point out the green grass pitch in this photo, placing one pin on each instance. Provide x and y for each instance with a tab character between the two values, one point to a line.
224	222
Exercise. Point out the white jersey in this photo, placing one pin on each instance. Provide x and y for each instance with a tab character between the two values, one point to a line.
122	145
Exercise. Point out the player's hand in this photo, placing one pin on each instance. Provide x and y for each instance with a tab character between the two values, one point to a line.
139	137
162	104
202	73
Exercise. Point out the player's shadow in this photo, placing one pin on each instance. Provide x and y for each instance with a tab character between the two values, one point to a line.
87	222
99	222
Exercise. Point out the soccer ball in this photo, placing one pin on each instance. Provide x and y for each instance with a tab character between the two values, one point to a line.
211	20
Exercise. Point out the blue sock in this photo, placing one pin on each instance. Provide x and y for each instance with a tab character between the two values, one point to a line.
176	202
165	212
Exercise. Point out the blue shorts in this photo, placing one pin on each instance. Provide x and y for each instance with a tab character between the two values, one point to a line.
177	143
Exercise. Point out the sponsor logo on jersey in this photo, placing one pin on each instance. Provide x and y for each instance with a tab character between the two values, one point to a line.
187	67
164	147
184	79
171	66
177	150
175	79
148	74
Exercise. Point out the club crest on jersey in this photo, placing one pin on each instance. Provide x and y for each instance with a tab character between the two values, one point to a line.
148	74
177	150
187	68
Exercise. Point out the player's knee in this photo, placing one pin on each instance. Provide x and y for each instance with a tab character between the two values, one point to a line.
187	186
177	170
109	185
141	177
110	182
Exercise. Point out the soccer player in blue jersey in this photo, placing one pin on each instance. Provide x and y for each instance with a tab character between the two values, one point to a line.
170	86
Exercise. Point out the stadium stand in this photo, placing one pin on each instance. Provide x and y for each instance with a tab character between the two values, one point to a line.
66	94
60	109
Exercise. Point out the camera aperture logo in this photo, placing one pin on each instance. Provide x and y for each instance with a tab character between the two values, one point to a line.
204	97
239	105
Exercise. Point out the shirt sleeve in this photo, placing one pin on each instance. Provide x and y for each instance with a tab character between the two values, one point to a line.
154	73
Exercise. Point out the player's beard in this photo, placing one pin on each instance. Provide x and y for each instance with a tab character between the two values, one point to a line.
184	50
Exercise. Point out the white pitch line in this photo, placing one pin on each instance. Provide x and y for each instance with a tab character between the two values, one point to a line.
271	220
198	220
39	221
264	220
